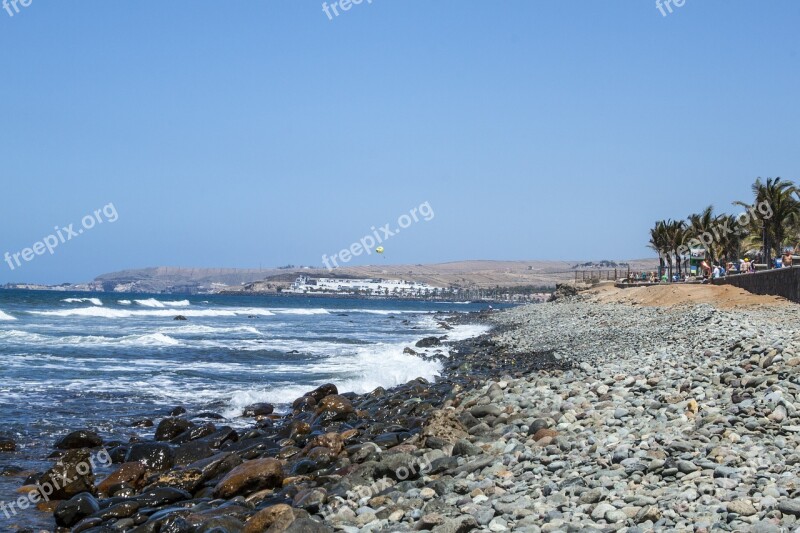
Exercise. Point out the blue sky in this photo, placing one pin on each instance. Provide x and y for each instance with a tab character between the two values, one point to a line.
263	133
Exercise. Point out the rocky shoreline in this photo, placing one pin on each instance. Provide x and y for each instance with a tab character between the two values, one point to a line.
572	415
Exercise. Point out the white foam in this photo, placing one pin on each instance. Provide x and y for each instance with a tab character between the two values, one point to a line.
466	331
279	395
301	311
381	311
4	316
94	301
195	329
124	313
152	302
177	303
124	302
152	339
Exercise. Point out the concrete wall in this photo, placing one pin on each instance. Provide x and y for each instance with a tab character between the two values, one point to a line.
779	282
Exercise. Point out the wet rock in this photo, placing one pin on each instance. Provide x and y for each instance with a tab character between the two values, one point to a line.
71	476
83	438
428	342
153	455
310	499
250	476
180	317
169	428
129	473
258	409
273	518
321	392
162	496
194	433
7	445
334	407
70	512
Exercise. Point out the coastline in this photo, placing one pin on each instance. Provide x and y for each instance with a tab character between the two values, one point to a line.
592	411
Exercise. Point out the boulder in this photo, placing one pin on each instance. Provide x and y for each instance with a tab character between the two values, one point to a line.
169	428
258	409
334	407
156	456
70	512
83	438
129	473
428	342
69	477
249	477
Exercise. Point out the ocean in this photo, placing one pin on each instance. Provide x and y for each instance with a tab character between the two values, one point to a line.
102	360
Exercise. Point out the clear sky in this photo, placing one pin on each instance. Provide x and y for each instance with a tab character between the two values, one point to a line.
239	134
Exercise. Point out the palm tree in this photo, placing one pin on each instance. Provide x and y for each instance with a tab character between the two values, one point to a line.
659	242
702	223
730	242
677	235
666	238
781	199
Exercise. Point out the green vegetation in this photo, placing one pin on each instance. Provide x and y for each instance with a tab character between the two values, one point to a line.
770	222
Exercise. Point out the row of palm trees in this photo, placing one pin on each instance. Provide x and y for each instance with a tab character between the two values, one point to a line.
772	224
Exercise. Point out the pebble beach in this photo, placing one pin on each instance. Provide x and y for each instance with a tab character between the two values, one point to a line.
590	413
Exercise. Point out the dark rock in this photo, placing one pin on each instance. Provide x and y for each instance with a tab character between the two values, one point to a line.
76	468
223	435
154	455
7	445
324	390
120	510
221	524
216	465
131	474
258	409
310	499
209	415
83	438
334	407
162	496
175	524
192	452
250	477
194	433
307	525
178	411
428	342
180	317
87	524
169	428
70	512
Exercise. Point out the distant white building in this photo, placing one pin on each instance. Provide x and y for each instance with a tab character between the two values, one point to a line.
374	287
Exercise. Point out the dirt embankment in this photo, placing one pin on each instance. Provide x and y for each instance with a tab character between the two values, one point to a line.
720	296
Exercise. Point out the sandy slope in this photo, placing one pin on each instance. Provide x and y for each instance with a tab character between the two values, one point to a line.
720	296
